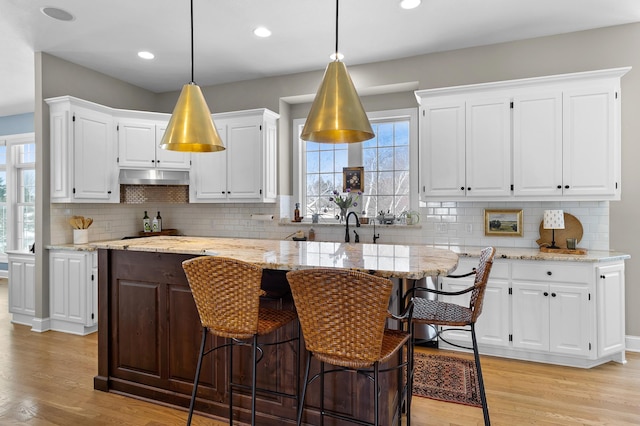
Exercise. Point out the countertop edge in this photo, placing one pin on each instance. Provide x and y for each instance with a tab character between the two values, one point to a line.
510	253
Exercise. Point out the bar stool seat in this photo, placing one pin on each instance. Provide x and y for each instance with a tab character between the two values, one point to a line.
227	295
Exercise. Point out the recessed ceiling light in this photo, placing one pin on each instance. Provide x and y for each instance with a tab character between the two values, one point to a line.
410	4
262	32
340	56
59	14
146	55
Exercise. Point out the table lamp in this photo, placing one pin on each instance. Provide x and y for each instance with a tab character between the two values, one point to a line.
553	219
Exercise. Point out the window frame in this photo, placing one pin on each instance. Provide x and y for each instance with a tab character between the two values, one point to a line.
12	171
355	156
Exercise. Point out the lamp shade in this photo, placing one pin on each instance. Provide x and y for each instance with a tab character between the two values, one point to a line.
553	219
191	128
337	115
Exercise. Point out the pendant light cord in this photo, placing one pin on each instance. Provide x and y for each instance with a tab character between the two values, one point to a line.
192	78
336	30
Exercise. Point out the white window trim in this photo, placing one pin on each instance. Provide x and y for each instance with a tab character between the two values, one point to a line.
355	154
12	179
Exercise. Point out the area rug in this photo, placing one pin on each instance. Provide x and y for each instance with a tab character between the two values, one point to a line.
446	378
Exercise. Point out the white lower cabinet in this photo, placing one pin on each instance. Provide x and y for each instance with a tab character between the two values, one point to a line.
559	312
492	327
73	291
22	282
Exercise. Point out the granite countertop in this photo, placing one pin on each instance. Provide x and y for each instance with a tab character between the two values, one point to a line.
202	245
387	260
536	254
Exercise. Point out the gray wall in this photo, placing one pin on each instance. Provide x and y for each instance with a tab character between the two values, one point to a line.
581	51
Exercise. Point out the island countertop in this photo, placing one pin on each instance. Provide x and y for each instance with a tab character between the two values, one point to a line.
387	260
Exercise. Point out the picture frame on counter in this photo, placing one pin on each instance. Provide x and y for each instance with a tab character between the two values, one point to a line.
503	223
353	179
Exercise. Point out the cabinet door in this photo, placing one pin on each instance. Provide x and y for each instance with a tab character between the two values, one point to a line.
69	280
244	159
22	297
537	144
452	285
136	143
488	147
589	142
61	151
442	150
610	309
208	177
95	177
569	317
530	313
492	327
166	159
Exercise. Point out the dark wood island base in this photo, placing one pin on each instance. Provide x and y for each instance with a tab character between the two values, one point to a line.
148	341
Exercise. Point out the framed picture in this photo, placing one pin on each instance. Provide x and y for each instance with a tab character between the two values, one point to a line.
353	179
503	223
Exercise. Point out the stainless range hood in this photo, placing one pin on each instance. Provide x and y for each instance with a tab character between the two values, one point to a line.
153	177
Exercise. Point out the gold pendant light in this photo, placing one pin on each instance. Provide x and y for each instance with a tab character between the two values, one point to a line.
191	128
337	115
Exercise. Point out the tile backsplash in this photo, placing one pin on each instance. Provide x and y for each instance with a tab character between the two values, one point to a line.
441	223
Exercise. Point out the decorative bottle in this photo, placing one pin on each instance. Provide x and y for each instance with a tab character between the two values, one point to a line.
146	222
157	223
296	213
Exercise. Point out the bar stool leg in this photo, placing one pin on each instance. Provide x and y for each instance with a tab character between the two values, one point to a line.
377	395
304	390
230	381
254	350
483	396
197	378
321	393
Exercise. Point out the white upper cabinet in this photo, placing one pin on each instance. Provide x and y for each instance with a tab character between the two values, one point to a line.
83	153
246	170
443	149
537	144
544	138
139	145
591	141
488	147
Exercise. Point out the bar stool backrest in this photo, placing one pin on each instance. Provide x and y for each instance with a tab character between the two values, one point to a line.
480	282
342	313
227	294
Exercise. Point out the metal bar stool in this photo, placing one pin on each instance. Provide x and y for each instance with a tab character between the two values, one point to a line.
343	314
227	296
439	313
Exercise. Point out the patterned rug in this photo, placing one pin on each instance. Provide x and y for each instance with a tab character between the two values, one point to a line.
446	378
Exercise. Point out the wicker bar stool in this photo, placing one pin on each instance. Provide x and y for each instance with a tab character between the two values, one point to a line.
227	295
343	314
439	313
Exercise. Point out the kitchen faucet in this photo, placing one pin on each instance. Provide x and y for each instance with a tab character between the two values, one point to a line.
346	235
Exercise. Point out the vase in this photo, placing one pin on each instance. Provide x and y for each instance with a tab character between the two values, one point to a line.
343	214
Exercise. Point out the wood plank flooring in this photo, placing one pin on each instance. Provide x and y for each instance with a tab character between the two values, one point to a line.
47	379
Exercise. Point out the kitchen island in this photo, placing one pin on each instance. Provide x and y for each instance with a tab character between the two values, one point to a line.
149	331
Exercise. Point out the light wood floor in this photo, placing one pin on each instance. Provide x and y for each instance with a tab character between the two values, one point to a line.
47	379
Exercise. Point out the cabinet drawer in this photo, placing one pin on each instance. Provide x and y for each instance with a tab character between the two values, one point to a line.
552	272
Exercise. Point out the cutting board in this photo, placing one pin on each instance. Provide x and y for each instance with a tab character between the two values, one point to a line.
572	229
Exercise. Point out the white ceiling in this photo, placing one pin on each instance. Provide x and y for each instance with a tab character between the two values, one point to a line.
107	34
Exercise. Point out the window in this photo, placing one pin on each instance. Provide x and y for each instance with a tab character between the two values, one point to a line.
389	161
25	173
17	192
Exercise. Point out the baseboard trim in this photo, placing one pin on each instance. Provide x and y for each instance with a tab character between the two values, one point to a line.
632	343
40	325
